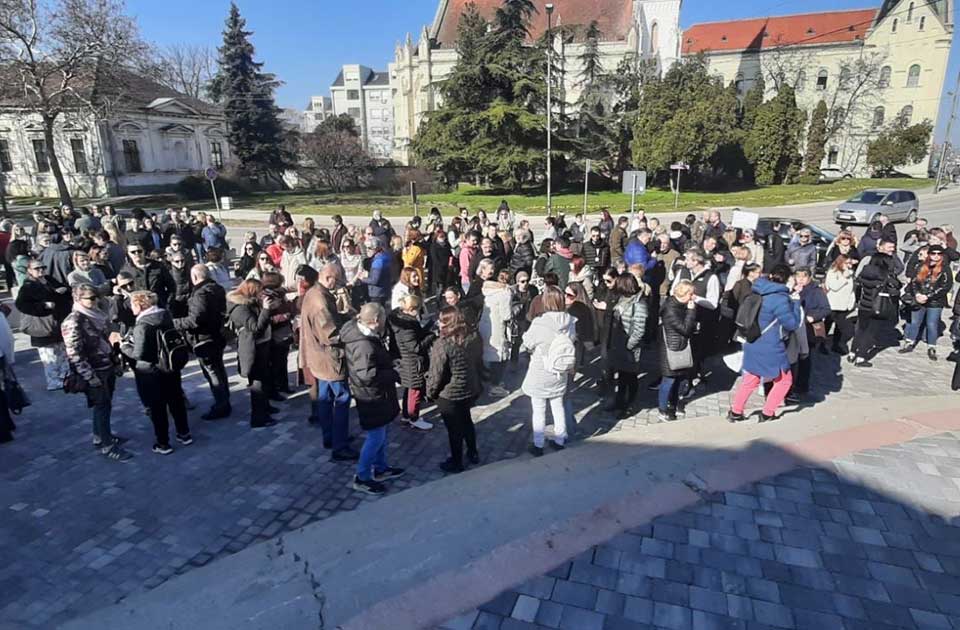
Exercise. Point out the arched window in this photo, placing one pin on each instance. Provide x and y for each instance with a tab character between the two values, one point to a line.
893	29
910	13
738	83
878	114
907	114
654	37
884	77
923	22
801	81
822	80
913	76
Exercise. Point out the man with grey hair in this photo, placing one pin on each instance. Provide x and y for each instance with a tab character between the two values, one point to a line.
373	382
203	329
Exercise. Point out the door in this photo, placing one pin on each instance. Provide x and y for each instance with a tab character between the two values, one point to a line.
891	206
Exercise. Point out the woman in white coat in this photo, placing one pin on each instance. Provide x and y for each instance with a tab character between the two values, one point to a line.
542	384
839	285
494	326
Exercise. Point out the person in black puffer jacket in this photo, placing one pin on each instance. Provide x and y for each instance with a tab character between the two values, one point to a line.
927	293
879	293
596	252
679	315
180	272
410	344
248	313
373	385
43	307
454	382
523	255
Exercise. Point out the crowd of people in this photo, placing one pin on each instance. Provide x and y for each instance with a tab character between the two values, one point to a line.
444	310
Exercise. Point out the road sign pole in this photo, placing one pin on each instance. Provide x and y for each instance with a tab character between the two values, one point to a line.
633	196
586	186
676	199
216	202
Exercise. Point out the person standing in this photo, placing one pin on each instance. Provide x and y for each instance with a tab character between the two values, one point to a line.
453	381
679	316
815	307
927	293
843	301
706	291
248	313
410	342
324	364
469	259
203	328
624	344
495	314
43	308
378	280
161	389
765	358
373	384
878	306
88	342
544	383
149	275
214	234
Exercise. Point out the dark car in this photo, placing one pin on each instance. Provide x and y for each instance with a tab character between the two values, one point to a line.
788	227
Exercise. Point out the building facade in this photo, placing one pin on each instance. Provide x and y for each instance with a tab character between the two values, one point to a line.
648	28
367	96
319	109
150	139
869	66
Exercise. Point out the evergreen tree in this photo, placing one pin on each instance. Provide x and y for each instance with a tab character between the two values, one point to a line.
595	131
751	103
773	143
246	94
899	144
816	143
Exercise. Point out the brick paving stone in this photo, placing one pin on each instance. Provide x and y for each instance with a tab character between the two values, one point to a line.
525	608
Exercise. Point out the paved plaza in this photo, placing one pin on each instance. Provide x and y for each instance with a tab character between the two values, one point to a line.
81	532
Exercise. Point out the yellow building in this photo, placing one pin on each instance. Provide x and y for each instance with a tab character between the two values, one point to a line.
869	66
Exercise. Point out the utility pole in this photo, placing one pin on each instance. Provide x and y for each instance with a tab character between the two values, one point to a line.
946	138
586	186
549	8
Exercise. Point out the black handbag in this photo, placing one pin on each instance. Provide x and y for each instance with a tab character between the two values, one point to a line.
17	399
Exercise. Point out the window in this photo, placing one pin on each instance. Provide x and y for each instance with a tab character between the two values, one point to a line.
822	80
353	95
131	156
354	111
40	154
801	81
893	29
738	82
907	114
654	37
910	13
79	155
6	165
216	155
913	76
923	22
878	114
884	77
832	156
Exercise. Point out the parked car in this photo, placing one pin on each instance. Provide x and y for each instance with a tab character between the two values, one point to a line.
864	207
834	174
788	227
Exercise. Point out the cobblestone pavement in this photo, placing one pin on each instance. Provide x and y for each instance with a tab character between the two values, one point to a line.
867	542
80	532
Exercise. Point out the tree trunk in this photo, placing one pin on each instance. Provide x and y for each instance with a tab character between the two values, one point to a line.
62	189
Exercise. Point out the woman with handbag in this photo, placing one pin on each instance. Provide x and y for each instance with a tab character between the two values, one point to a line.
43	307
679	316
248	313
927	294
879	300
627	326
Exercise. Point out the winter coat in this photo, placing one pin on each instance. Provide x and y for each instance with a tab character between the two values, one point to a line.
378	281
455	369
439	260
214	235
596	255
935	288
559	264
142	349
767	356
153	277
469	257
540	382
58	259
637	253
522	258
815	303
410	344
414	256
181	280
876	275
494	320
839	288
203	321
586	322
321	350
252	325
627	325
87	344
40	322
802	256
774	252
678	325
289	263
618	242
371	377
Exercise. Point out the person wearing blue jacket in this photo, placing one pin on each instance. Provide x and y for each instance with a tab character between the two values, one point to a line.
637	252
378	280
816	310
766	357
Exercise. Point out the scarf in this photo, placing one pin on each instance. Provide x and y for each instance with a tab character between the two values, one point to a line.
150	311
98	316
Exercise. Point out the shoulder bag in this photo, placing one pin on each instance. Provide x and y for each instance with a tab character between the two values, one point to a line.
678	359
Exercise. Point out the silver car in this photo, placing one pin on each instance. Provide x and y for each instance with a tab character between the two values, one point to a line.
864	207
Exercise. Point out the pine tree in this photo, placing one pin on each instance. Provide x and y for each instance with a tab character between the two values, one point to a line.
773	143
594	129
246	94
816	143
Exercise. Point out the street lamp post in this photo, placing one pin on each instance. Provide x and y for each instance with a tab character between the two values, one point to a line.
549	8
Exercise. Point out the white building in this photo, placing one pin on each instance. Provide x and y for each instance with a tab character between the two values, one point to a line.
367	96
648	28
319	109
150	138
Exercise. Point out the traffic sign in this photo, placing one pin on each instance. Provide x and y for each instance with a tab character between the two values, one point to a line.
211	174
634	182
680	166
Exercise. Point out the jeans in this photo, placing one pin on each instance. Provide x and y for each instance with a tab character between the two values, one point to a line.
750	383
216	375
540	419
929	317
460	429
373	455
100	399
668	396
332	410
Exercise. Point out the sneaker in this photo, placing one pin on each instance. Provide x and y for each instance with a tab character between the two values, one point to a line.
499	392
162	449
666	416
792	399
422	425
449	467
680	412
863	363
186	440
735	417
932	354
116	440
262	424
389	473
765	418
473	458
556	445
536	451
370	487
118	454
907	347
345	455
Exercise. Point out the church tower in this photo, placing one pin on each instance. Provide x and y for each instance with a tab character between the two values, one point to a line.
658	27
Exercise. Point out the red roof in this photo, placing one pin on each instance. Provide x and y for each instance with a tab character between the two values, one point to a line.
769	32
614	17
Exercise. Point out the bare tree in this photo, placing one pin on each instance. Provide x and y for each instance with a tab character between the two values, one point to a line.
186	68
334	159
52	55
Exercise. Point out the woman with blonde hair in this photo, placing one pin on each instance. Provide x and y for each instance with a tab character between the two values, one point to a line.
679	316
411	283
414	255
410	341
627	327
495	314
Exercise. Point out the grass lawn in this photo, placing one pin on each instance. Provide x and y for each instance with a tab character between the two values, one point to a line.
534	202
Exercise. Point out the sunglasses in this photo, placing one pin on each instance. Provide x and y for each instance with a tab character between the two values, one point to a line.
572	296
136	251
178	261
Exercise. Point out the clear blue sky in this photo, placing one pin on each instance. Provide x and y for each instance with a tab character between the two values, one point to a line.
304	42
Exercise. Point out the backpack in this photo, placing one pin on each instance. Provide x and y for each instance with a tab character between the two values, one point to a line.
748	317
172	350
561	356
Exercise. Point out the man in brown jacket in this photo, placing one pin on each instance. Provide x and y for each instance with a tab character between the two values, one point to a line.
322	359
618	241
